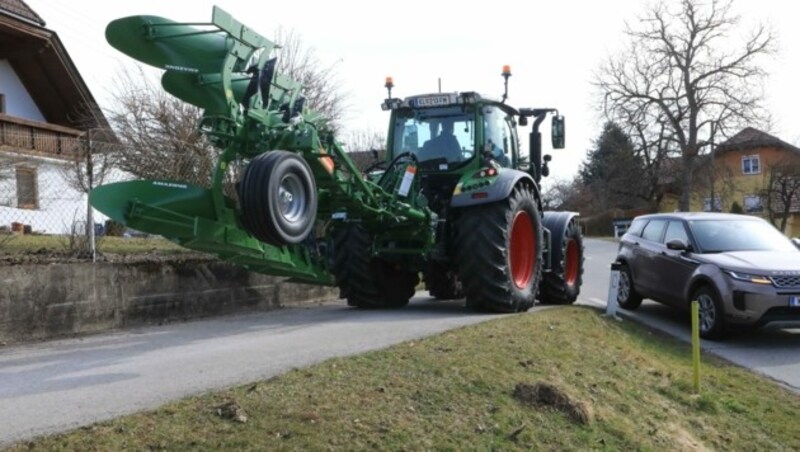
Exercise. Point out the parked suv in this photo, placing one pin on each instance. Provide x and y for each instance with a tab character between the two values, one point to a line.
741	270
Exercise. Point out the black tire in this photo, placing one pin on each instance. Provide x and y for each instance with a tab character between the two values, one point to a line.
562	285
500	272
627	297
712	314
367	282
443	283
278	197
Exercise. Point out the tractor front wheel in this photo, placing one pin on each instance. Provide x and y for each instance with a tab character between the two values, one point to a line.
278	197
500	253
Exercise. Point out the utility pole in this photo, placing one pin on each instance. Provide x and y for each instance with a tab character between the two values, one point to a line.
89	186
713	175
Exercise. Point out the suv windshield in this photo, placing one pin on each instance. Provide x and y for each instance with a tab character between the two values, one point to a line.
715	236
436	133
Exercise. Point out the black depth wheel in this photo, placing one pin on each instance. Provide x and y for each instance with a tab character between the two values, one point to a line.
278	196
367	282
500	253
442	282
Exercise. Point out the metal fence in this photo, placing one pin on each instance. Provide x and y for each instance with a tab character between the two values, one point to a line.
44	202
45	179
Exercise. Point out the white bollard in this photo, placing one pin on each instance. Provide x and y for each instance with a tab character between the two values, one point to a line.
613	287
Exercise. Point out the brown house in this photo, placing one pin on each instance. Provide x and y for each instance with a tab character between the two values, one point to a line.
745	170
45	110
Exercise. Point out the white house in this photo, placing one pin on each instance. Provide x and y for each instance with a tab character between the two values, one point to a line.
46	110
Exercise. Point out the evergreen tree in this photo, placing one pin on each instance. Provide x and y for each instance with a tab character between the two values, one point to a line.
613	171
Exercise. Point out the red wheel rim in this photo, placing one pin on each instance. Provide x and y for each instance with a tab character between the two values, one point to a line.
571	261
522	250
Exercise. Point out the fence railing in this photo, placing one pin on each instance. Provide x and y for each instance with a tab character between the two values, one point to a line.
46	173
38	139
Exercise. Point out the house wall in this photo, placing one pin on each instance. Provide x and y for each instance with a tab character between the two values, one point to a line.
17	100
59	204
731	184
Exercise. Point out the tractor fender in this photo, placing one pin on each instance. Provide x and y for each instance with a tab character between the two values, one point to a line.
501	189
556	223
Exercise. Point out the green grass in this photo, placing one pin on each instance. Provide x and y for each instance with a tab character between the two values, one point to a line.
27	244
454	391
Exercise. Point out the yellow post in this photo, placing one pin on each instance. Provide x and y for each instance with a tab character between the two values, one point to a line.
696	345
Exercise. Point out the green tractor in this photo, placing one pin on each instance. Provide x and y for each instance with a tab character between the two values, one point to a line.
454	200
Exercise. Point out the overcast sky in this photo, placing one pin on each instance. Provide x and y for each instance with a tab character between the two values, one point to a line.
553	48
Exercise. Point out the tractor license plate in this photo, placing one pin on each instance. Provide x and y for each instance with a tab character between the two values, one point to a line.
431	101
794	301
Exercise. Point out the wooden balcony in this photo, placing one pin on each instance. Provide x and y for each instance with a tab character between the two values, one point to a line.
23	136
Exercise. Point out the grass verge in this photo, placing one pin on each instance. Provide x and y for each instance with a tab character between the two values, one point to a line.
23	244
469	389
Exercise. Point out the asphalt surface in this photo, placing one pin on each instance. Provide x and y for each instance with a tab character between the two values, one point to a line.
54	386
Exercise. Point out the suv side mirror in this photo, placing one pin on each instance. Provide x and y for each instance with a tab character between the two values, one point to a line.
557	132
796	242
678	245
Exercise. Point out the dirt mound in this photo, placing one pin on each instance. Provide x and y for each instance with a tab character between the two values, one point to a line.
545	394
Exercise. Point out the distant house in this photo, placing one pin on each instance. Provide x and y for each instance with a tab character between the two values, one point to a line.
740	172
46	110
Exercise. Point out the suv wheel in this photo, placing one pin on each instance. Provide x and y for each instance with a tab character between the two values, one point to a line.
712	322
627	297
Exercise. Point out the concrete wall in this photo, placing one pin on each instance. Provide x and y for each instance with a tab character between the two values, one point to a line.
47	301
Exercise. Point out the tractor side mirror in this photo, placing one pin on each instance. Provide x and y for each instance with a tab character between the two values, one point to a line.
557	132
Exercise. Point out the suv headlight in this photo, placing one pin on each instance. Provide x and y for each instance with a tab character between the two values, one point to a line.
755	279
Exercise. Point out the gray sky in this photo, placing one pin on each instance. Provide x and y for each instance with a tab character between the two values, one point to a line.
553	49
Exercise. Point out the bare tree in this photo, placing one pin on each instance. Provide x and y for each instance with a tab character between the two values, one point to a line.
682	68
564	194
159	133
364	140
782	192
720	183
321	88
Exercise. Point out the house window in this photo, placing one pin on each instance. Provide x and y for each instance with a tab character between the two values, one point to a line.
753	204
2	103
751	164
717	207
27	189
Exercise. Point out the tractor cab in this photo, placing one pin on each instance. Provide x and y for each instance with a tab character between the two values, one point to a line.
445	132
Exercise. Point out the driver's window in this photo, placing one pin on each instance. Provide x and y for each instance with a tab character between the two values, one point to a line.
497	135
445	133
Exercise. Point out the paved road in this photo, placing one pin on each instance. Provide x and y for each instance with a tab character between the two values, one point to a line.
59	385
774	353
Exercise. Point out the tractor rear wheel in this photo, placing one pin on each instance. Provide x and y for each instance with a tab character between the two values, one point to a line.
278	196
442	282
365	281
500	253
563	284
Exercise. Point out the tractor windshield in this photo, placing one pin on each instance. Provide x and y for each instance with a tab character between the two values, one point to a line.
446	134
